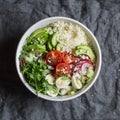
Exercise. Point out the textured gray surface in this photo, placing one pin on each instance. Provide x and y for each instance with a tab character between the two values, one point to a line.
102	101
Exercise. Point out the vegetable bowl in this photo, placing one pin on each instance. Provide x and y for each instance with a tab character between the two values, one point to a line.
58	59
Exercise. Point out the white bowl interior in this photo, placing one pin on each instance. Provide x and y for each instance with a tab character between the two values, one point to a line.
95	46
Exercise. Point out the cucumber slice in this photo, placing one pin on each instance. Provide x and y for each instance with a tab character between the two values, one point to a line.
53	40
49	46
57	47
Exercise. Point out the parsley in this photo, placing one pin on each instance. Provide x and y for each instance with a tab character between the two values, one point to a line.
34	73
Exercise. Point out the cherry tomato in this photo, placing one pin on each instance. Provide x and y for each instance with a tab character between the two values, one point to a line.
62	69
54	57
68	58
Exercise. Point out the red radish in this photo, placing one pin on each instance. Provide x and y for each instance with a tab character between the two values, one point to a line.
82	66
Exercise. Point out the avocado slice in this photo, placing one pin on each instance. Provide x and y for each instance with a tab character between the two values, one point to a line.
86	50
90	72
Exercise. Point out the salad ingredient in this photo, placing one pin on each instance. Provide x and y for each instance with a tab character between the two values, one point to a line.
30	57
82	73
54	57
52	93
62	82
36	48
57	47
65	90
62	69
35	42
50	79
53	40
52	44
48	87
40	36
82	66
84	79
68	58
85	50
72	92
22	62
49	46
35	73
90	72
76	83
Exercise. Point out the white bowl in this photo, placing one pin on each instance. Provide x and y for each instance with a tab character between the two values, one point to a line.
96	47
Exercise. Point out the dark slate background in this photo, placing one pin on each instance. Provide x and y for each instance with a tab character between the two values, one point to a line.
102	101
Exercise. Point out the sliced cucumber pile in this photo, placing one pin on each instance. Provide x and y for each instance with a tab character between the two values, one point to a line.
52	43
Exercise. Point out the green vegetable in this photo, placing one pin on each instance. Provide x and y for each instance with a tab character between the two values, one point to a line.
39	36
84	79
36	48
90	72
53	40
52	43
49	46
89	77
57	47
35	43
46	87
85	50
72	92
39	31
34	73
65	77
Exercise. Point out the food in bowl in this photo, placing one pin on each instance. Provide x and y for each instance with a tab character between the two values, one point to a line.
58	59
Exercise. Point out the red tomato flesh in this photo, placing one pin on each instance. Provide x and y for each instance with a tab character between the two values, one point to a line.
62	69
68	58
54	57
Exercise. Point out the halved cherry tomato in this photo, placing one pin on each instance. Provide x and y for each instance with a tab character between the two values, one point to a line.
54	57
62	69
68	58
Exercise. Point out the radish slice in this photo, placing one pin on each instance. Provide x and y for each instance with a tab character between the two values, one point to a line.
82	66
